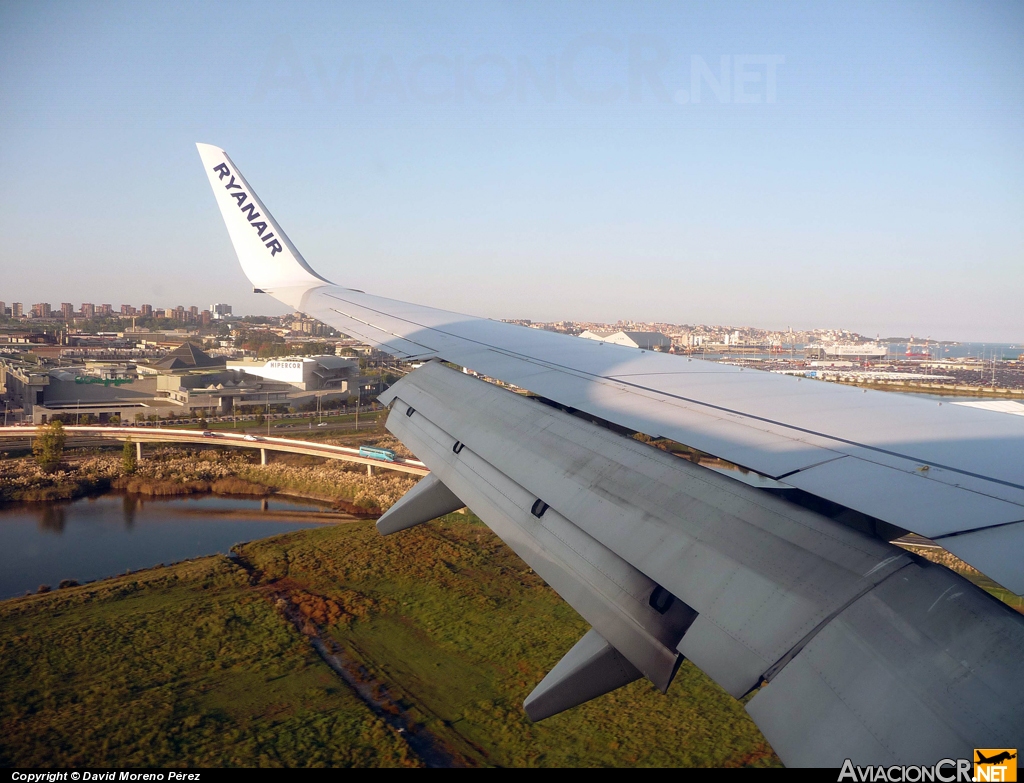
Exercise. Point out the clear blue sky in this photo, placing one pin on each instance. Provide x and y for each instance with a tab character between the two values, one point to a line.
862	165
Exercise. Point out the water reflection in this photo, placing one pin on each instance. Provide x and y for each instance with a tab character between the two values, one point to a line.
53	519
129	504
102	536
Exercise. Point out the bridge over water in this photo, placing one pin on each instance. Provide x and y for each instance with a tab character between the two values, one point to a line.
93	435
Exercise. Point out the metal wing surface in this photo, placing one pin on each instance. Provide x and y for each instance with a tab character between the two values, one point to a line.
855	647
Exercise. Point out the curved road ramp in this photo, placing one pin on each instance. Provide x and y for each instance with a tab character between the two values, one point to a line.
82	435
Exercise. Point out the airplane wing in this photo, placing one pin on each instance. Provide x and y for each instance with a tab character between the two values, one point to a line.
777	579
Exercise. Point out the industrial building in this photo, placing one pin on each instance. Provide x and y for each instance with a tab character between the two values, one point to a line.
303	372
186	382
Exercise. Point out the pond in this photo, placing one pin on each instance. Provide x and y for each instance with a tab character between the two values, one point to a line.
94	538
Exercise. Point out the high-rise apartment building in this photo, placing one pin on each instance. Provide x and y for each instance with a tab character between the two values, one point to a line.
17	310
41	310
106	310
67	311
88	310
147	311
204	317
3	310
220	310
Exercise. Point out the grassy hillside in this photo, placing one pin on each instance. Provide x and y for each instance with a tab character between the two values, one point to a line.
449	616
199	663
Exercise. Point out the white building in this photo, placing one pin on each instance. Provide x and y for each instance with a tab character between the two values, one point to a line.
219	311
648	341
303	372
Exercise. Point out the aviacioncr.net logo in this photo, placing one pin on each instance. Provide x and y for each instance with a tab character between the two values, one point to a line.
995	765
944	771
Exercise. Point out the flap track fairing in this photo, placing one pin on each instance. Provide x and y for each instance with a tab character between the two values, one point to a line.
590	669
427	500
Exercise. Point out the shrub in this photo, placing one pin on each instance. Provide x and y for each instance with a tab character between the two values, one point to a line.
237	486
48	447
129	463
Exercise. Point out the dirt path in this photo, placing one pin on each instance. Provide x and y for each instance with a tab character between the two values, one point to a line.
375	694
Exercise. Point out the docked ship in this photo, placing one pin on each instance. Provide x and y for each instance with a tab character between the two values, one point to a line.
917	351
849	352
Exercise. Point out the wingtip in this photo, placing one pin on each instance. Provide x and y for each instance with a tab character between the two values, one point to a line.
268	258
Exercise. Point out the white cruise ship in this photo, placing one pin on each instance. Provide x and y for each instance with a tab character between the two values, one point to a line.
848	351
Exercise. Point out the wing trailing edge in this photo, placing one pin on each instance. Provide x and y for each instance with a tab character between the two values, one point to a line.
842	638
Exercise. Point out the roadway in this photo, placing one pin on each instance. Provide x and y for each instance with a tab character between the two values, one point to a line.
98	435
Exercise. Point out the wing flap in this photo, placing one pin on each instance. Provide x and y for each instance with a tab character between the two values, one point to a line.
607	592
918	669
998	548
929	508
833	620
761	572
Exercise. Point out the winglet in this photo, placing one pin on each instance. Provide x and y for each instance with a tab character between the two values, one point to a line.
268	258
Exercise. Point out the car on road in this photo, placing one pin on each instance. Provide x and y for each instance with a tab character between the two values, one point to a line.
207	434
323	424
250	437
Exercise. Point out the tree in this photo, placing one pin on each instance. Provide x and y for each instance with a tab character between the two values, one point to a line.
48	448
129	463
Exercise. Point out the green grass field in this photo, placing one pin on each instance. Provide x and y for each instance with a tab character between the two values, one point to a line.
193	664
186	665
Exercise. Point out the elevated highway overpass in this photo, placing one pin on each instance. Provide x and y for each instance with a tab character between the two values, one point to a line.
99	435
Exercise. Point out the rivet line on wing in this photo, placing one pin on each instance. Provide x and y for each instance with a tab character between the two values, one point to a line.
383	331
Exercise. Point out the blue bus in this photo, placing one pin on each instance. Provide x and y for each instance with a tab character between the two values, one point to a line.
374	453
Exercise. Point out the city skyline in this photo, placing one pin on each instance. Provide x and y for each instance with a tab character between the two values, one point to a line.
89	310
192	314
